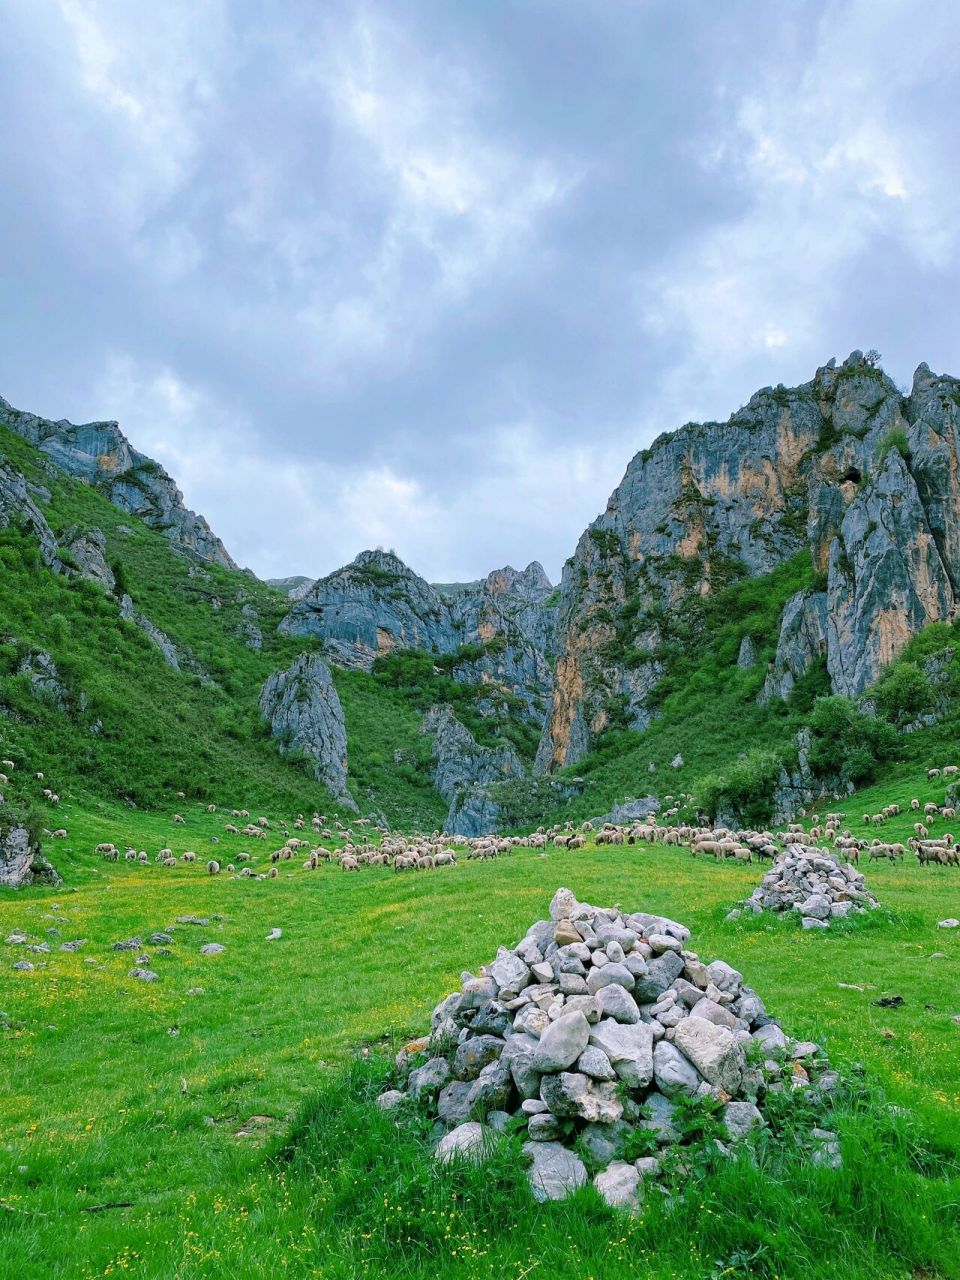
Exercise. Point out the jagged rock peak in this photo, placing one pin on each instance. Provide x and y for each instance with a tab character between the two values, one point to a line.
98	453
845	469
531	582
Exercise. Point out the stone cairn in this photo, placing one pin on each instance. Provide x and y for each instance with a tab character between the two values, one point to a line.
813	882
586	1037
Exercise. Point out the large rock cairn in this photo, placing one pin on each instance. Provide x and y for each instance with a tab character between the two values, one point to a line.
815	883
586	1035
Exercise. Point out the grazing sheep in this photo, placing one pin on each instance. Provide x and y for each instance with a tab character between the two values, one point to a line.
169	862
914	805
349	863
213	867
948	771
178	819
211	808
8	764
272	873
189	856
933	773
142	857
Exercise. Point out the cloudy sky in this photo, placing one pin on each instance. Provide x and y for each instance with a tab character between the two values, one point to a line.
426	273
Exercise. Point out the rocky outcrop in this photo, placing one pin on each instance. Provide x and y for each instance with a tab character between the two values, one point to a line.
158	638
372	606
503	625
463	770
295	587
21	860
802	642
304	713
18	508
87	548
45	681
843	469
99	454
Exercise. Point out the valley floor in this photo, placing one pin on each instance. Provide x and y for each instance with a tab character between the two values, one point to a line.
138	1119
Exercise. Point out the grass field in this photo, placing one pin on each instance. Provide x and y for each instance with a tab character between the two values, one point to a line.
222	1128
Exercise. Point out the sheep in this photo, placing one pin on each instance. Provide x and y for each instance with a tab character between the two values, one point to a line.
3	779
59	834
213	867
169	862
231	830
921	830
142	858
211	808
933	773
181	795
948	771
189	856
39	777
8	764
349	863
178	819
263	822
272	873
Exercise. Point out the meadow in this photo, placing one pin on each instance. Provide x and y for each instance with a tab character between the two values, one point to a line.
220	1121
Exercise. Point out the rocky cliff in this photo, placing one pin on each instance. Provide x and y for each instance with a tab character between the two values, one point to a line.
304	713
463	772
504	625
99	454
845	468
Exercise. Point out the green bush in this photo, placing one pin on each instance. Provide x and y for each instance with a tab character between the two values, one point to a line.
847	742
903	693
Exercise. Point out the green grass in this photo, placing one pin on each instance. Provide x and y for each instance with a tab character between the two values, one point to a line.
101	1103
132	726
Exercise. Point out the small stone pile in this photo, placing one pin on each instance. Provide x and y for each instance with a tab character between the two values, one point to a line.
815	883
587	1036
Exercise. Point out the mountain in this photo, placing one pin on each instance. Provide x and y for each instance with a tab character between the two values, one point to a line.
858	481
766	609
99	454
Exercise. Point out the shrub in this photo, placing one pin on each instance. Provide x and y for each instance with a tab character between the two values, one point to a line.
903	693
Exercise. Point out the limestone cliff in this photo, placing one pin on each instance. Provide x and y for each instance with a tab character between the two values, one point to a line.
377	604
99	454
302	708
845	468
463	772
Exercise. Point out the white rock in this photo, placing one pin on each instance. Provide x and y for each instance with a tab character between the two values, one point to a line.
618	1185
555	1172
469	1141
562	1043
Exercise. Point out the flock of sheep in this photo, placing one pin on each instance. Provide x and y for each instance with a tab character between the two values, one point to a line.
363	844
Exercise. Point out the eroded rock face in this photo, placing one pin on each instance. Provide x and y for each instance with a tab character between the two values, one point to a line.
88	548
21	862
377	604
463	770
99	454
17	507
844	468
305	716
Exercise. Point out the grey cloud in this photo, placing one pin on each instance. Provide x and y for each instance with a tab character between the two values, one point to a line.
327	261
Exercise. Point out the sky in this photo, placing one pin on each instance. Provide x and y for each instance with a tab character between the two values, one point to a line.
425	274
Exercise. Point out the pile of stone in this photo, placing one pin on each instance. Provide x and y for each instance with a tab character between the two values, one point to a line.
815	883
586	1036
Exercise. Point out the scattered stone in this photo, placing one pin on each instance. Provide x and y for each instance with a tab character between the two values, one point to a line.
949	923
145	975
23	965
274	935
129	944
212	948
160	939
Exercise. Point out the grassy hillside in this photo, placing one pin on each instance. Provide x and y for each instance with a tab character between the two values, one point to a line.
133	727
159	1134
732	748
